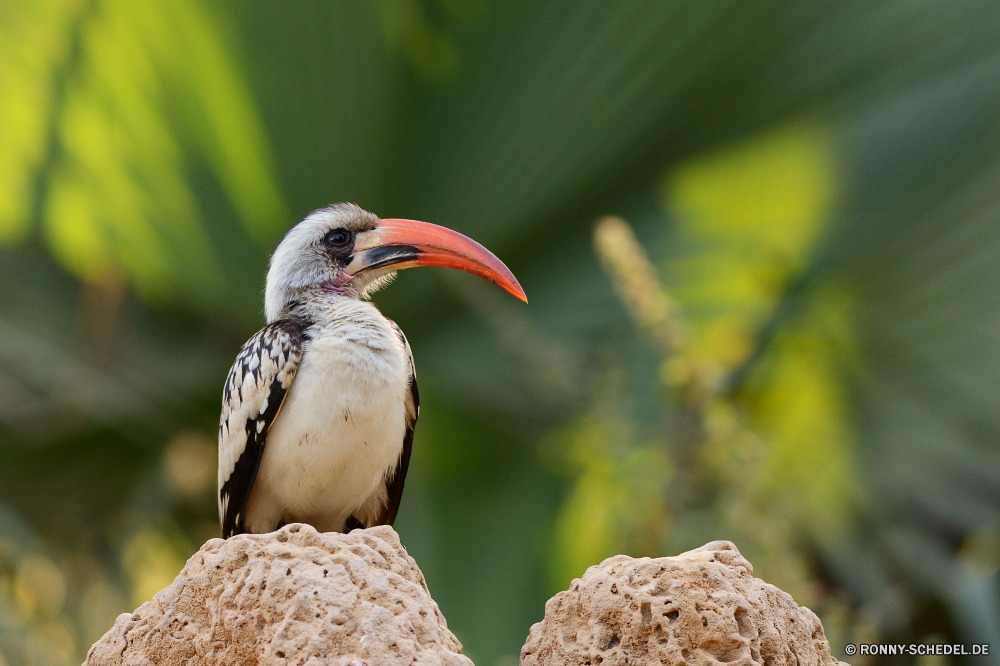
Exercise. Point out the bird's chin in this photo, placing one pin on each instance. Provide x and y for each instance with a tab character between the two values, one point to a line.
340	287
361	286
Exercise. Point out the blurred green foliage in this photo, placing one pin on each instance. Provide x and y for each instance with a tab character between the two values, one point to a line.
788	339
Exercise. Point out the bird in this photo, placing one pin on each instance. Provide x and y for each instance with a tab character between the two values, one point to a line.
319	408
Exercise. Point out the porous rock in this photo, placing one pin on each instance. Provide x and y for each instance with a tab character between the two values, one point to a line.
700	608
295	596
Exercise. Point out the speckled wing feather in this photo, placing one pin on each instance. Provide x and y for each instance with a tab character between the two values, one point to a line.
255	389
394	482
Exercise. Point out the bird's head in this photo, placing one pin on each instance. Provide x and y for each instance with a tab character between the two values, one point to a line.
345	250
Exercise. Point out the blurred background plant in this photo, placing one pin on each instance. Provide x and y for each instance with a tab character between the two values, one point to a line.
787	338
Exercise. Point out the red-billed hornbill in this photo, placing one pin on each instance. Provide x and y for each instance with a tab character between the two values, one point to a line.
318	410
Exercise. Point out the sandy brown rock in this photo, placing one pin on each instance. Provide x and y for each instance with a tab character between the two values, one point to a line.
295	596
700	608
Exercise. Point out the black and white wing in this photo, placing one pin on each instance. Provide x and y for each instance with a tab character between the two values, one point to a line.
394	482
255	389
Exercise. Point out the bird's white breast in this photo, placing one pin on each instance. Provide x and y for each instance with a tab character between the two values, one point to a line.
341	427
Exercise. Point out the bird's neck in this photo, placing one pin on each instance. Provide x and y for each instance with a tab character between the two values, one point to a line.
347	332
323	308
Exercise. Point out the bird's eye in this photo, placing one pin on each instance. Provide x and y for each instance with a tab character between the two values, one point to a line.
338	239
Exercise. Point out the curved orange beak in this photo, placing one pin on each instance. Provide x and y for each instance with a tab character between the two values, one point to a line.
406	243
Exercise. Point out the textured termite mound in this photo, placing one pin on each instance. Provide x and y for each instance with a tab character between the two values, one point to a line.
703	608
294	596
